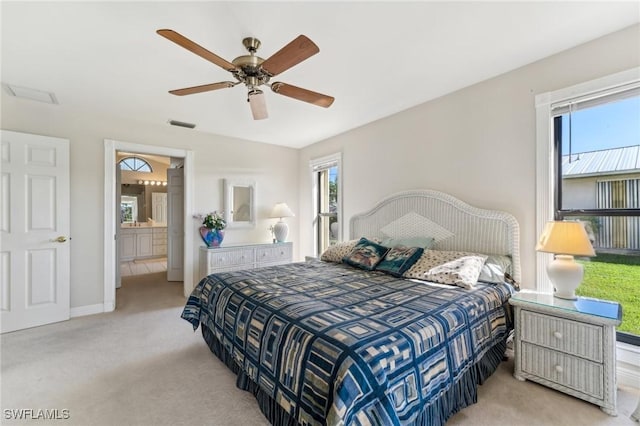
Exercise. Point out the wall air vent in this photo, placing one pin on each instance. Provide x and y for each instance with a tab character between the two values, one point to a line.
31	94
182	124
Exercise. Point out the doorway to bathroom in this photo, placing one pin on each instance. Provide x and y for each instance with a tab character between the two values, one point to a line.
141	229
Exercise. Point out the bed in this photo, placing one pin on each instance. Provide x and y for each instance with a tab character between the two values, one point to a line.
327	343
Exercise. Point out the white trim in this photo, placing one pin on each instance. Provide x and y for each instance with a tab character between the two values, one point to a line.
544	152
110	148
81	311
628	365
544	181
317	162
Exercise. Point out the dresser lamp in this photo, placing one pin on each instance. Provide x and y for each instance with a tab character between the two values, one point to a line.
281	229
565	240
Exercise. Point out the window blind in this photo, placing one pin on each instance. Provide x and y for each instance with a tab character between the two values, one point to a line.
601	97
324	163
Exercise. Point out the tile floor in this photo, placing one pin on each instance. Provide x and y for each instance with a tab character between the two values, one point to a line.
143	266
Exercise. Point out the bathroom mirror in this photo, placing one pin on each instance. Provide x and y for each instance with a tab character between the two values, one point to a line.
239	203
133	203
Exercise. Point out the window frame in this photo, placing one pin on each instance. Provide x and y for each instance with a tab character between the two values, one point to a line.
134	159
549	165
315	167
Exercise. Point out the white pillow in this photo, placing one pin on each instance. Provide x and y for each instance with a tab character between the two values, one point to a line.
336	252
432	258
463	272
494	269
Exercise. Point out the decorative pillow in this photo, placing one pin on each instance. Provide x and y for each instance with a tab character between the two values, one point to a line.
399	259
432	258
424	242
336	252
463	272
494	269
366	254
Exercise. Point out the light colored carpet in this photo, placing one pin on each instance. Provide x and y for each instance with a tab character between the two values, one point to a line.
143	365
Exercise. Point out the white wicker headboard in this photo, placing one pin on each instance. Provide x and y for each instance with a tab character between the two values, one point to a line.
453	223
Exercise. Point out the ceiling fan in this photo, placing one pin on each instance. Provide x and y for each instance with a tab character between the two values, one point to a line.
253	71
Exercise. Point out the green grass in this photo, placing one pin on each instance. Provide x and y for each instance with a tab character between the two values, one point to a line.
615	277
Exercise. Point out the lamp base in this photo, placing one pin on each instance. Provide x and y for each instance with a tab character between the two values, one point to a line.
565	275
280	231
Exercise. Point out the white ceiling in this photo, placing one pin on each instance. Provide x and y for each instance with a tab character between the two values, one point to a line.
376	58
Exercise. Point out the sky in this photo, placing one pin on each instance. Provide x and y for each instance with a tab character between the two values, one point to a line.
611	125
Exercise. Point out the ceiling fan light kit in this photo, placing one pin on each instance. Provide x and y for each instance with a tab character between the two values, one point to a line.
258	104
253	71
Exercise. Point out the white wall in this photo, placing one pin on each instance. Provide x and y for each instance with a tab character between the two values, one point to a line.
477	144
215	158
579	193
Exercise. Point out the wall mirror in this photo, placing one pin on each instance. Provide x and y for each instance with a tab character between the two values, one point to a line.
240	203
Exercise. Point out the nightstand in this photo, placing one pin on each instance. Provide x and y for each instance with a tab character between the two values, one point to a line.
568	345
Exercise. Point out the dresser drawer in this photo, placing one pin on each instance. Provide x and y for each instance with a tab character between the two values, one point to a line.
566	370
224	259
277	253
572	337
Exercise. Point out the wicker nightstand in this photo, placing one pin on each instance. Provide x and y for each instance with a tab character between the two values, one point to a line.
568	345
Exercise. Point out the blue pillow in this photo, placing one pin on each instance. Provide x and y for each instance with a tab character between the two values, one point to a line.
366	254
399	259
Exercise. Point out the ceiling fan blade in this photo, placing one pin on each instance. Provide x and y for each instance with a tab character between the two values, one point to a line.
181	40
203	88
292	54
302	94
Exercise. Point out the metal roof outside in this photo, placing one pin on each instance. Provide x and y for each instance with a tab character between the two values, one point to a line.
603	162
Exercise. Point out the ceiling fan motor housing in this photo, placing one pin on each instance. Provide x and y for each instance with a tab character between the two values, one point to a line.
249	71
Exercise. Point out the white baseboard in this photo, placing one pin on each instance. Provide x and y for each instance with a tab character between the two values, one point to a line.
628	368
81	311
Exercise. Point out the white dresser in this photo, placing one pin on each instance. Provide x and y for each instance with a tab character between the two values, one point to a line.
568	345
234	257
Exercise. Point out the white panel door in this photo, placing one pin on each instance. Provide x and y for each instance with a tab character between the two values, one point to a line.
159	206
175	224
118	207
34	230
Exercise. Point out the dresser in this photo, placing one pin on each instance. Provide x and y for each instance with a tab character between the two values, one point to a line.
234	257
568	345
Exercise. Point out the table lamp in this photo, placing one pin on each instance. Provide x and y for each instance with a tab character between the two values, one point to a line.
565	240
281	229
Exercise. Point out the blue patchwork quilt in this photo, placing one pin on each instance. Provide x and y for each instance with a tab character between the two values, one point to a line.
332	344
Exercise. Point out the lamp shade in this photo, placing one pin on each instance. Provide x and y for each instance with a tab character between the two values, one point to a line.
281	210
565	238
258	104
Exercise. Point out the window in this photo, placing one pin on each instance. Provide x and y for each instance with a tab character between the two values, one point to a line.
594	177
327	206
135	164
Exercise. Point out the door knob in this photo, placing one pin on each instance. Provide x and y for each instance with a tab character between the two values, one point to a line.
60	239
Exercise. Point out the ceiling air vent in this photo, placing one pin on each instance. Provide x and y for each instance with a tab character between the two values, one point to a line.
31	94
182	124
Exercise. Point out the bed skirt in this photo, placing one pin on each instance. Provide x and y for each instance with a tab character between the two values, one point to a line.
462	394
